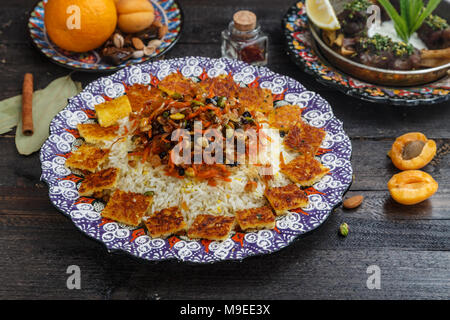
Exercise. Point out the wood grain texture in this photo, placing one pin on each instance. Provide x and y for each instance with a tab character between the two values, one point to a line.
410	244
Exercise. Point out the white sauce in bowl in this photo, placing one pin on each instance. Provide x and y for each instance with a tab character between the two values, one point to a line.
387	29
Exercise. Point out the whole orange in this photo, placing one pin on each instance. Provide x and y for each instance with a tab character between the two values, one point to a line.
80	25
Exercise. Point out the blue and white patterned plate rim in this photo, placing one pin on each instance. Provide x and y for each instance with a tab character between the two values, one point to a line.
64	196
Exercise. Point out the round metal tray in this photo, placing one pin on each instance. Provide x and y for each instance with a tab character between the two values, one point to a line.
377	75
305	52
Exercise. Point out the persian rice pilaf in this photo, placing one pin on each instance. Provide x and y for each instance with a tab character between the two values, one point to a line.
136	137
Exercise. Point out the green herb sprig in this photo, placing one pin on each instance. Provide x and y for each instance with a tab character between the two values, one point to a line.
412	15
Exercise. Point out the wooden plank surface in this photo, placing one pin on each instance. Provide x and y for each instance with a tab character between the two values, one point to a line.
411	245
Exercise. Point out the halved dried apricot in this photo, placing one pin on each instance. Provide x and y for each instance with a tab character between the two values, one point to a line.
412	186
412	151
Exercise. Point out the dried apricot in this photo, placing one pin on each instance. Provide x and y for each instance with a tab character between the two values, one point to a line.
412	151
412	186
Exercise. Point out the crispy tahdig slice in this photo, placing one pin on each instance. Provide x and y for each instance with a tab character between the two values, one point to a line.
256	99
220	86
94	133
141	96
256	218
87	158
105	179
177	86
304	138
304	170
211	227
109	112
285	117
286	198
163	223
127	207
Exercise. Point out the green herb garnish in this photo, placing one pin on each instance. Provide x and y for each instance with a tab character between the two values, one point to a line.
358	5
177	95
221	101
379	44
402	49
412	14
197	103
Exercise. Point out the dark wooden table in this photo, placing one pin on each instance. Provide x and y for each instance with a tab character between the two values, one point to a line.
410	244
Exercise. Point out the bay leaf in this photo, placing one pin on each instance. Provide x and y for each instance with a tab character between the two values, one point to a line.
46	104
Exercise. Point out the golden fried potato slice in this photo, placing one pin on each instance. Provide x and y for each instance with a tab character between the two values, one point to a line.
141	96
105	179
127	207
286	198
165	222
109	112
304	138
256	218
87	158
94	133
256	99
285	117
304	170
177	86
211	227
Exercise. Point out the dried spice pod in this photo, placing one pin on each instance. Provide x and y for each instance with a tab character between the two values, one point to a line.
27	105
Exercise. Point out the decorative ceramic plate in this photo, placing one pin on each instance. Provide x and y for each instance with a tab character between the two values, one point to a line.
335	153
167	10
303	51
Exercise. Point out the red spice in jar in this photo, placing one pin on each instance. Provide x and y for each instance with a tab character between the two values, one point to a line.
244	39
251	53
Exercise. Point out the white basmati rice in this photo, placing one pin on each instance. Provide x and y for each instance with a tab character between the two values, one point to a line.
198	196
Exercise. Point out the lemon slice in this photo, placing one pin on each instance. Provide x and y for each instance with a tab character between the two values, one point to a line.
322	14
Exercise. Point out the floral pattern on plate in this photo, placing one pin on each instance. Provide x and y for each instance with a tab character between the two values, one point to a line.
85	212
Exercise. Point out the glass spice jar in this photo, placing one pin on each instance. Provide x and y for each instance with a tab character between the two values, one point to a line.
243	40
